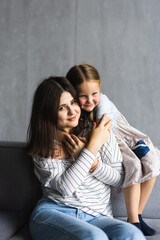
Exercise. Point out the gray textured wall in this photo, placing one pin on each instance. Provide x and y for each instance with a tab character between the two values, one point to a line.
121	38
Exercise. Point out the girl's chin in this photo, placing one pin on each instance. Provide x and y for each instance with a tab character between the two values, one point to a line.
88	109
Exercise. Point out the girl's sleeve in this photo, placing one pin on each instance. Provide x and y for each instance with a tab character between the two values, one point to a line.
62	176
110	169
106	106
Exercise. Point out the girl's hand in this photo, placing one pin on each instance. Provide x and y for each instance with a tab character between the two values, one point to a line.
100	134
74	144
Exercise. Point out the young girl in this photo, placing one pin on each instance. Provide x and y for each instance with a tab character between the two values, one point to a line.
76	203
140	159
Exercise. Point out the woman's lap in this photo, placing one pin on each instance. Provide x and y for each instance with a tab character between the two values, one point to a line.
51	221
117	229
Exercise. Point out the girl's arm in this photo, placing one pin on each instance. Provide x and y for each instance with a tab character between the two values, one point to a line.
106	106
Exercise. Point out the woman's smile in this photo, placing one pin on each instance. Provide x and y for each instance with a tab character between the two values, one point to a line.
72	118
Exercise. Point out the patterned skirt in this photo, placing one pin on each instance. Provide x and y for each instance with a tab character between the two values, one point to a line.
141	160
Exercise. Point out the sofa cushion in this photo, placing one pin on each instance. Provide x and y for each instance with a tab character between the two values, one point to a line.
23	234
154	223
19	187
10	223
152	208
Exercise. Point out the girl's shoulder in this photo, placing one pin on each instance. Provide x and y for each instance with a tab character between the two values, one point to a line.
104	98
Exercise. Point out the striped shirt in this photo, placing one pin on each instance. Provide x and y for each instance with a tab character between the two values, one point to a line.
68	181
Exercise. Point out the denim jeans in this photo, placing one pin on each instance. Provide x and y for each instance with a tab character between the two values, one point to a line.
50	221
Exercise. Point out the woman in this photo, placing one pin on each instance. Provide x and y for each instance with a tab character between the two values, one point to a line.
76	202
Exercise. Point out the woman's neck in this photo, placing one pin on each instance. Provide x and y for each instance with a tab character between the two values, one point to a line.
61	132
69	131
59	150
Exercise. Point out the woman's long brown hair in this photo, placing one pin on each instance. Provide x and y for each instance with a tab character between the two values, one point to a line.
43	121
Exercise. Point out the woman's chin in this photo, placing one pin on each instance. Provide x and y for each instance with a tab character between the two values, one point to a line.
75	124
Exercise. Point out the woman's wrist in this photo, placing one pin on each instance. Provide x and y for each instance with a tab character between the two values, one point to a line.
94	166
93	147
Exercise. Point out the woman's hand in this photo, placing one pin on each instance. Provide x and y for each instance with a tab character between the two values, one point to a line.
98	121
100	134
74	144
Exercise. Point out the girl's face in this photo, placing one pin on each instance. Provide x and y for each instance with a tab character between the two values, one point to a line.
89	94
68	112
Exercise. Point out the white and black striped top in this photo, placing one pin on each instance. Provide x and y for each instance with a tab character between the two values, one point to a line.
68	182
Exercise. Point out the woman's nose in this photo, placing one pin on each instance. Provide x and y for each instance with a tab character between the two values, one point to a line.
70	110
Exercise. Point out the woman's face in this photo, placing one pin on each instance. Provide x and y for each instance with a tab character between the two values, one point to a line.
68	112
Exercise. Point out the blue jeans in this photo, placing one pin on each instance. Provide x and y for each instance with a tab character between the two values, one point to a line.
50	221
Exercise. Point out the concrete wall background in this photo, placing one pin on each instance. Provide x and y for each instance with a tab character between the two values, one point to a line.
121	38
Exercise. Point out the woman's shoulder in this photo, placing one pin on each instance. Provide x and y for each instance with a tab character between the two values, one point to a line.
50	162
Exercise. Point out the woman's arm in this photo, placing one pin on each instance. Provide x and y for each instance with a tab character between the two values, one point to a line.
75	145
65	177
110	168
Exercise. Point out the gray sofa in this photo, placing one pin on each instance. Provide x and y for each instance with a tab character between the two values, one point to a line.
151	212
20	189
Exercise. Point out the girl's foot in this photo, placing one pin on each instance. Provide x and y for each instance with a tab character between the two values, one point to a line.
136	224
148	231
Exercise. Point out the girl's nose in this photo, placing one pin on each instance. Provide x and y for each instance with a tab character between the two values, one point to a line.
89	99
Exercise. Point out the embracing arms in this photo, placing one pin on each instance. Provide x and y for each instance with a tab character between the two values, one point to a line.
64	175
107	166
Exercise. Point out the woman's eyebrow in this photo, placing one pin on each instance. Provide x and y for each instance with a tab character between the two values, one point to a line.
62	105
